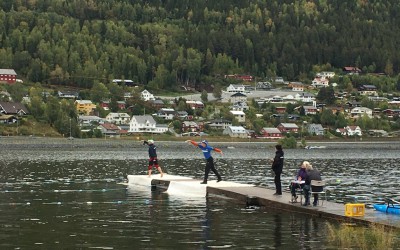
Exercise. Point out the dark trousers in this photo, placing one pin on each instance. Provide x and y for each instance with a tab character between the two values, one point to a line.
306	190
294	186
278	185
210	166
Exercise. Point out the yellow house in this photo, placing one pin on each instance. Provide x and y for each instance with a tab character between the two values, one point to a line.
85	106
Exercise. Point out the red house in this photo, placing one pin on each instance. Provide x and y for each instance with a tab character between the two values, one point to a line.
105	105
351	70
121	104
280	110
190	126
272	133
8	76
288	127
246	78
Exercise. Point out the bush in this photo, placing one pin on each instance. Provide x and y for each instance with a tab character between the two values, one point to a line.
357	237
288	142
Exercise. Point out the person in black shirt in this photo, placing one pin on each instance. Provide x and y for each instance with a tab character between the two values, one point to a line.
277	167
153	162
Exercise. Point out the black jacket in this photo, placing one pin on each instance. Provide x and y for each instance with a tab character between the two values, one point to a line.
277	165
152	150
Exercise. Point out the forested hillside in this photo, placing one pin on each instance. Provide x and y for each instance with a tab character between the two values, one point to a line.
167	43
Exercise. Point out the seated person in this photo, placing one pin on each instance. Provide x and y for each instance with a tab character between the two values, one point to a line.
301	176
312	174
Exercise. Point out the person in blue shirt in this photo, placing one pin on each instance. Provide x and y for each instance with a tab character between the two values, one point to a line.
300	177
153	162
203	145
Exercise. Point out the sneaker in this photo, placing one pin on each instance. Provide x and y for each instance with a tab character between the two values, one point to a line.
203	182
219	180
278	194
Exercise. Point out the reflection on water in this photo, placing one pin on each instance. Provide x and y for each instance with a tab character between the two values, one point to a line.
74	197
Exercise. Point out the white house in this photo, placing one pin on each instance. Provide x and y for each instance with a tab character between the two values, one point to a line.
326	74
68	94
238	97
239	115
167	113
350	131
219	123
118	118
236	131
87	120
275	99
353	130
145	124
315	129
358	112
240	106
320	82
297	86
279	80
239	88
147	96
127	95
304	97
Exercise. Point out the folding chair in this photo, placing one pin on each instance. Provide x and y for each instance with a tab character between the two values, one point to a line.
298	190
314	184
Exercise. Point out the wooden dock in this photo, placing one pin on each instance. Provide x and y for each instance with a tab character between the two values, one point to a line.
251	195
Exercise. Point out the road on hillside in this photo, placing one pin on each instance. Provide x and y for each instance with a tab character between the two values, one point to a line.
225	95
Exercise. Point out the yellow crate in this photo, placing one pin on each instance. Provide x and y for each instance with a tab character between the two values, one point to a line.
354	209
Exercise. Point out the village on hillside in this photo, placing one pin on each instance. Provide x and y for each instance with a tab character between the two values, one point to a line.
269	109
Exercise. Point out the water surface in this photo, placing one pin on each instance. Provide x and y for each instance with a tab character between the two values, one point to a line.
73	195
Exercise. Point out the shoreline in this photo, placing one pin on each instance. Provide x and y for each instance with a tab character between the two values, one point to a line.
10	142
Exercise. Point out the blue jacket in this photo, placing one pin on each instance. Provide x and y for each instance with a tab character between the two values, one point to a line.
302	173
206	150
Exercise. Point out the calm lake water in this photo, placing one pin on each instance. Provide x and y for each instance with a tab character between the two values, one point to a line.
57	194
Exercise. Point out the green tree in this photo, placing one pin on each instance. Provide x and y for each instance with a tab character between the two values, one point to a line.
52	109
326	95
99	92
204	96
217	91
341	121
327	117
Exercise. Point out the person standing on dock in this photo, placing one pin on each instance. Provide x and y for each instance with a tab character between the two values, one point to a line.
153	162
277	167
203	145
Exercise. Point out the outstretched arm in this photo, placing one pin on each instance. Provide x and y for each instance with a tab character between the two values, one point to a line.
218	151
192	142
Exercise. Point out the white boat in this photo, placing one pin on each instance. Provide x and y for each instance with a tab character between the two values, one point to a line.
314	147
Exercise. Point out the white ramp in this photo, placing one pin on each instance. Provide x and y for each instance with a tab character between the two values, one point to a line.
193	188
145	180
182	186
